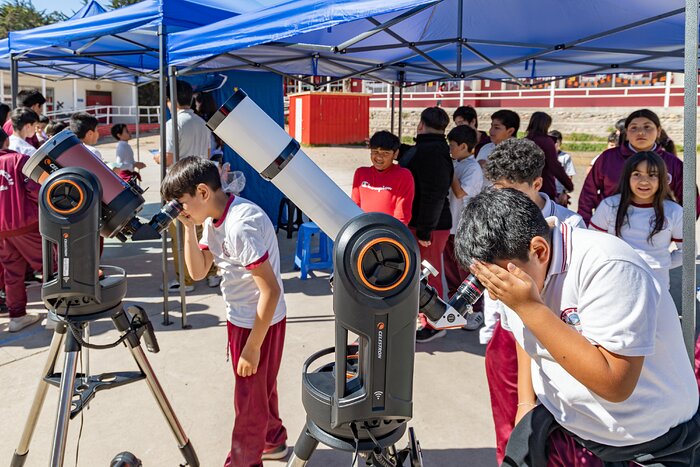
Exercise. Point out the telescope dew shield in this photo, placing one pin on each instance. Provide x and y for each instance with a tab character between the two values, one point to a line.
249	131
120	201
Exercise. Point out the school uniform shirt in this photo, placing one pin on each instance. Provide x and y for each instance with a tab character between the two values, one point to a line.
604	176
240	241
568	164
194	137
125	156
21	146
19	209
493	309
389	191
589	286
635	232
484	139
471	179
485	151
33	140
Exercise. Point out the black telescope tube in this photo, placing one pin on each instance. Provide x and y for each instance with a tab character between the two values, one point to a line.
431	305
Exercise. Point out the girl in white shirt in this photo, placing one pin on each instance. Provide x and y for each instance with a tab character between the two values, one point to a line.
644	215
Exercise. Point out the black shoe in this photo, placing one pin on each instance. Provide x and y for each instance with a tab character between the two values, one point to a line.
30	278
3	306
427	334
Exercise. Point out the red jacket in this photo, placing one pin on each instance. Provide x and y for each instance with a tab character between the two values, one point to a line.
604	176
19	209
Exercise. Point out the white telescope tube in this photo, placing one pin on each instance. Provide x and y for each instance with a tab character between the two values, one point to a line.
249	131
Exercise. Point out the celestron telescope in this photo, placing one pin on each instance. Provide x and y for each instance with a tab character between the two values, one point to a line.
79	200
362	401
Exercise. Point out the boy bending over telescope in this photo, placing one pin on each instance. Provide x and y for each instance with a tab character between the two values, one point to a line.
601	361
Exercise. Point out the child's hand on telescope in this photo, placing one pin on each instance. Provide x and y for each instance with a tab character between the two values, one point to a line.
248	361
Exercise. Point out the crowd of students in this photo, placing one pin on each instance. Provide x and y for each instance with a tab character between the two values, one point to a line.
633	192
579	325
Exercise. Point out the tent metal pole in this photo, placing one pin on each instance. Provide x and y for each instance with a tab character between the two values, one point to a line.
135	98
460	14
14	77
180	232
162	96
393	106
690	104
402	77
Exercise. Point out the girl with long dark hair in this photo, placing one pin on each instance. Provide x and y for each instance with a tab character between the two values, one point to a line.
644	215
642	131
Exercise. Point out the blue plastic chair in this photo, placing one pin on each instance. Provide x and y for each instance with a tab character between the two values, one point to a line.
308	258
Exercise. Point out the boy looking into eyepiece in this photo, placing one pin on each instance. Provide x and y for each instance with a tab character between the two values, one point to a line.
599	343
239	237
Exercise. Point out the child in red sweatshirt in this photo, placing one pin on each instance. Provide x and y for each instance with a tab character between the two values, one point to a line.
20	241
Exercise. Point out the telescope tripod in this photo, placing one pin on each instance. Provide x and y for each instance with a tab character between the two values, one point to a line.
77	389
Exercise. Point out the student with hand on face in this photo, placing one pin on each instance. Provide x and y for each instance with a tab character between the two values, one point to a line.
603	374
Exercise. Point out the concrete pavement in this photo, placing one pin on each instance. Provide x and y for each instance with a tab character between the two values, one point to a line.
451	406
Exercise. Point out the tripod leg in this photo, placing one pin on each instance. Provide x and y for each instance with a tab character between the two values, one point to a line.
183	443
303	449
58	448
22	450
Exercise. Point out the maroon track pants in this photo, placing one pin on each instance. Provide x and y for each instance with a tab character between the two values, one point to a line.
257	425
15	254
433	255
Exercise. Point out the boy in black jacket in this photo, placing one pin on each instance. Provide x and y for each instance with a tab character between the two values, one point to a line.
430	163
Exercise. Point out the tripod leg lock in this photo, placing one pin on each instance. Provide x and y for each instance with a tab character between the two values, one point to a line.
143	327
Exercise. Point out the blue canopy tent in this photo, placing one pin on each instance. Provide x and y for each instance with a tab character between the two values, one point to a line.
453	40
126	43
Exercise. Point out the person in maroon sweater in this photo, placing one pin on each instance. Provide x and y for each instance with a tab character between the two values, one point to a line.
466	115
384	186
642	129
537	131
32	99
20	241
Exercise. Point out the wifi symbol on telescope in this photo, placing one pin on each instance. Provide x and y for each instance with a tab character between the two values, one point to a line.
378	394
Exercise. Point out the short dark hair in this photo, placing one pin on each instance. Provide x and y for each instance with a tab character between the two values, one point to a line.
186	174
643	113
435	118
30	97
82	122
508	118
117	129
499	225
384	140
43	119
54	128
3	137
22	116
556	134
184	93
463	134
467	112
515	160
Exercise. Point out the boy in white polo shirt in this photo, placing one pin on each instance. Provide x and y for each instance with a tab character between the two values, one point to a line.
240	238
518	164
599	341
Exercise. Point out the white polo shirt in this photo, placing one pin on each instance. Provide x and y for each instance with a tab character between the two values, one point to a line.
241	241
485	151
21	146
598	285
471	179
636	230
563	214
193	135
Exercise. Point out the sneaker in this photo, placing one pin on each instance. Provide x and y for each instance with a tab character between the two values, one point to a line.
174	287
214	281
17	324
278	453
3	305
474	321
427	334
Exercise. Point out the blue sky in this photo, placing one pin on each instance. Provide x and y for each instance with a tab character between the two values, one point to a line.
64	6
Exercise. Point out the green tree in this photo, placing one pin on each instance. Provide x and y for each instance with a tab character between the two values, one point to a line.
16	15
114	4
